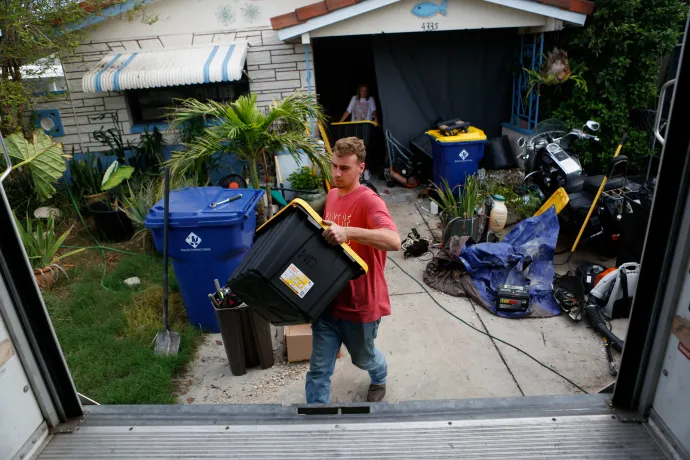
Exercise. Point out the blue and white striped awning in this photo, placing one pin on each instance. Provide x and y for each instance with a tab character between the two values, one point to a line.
167	67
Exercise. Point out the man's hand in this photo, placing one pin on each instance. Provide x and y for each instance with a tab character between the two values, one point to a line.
335	234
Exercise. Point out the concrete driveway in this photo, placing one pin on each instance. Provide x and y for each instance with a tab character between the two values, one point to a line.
430	354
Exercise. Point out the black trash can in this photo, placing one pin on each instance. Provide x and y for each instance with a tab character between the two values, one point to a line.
292	274
246	338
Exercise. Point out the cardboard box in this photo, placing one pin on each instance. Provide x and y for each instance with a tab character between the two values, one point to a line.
298	342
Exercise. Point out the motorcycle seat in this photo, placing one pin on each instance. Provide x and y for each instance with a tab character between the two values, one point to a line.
580	201
575	184
592	183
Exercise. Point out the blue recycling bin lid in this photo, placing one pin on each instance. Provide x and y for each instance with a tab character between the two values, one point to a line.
205	207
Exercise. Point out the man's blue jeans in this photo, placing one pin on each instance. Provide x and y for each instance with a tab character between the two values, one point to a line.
328	333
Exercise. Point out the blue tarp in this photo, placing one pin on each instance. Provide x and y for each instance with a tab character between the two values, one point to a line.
524	258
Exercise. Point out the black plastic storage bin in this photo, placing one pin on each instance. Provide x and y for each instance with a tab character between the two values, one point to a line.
292	274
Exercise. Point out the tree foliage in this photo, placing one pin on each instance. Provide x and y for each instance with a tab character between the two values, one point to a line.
621	49
32	31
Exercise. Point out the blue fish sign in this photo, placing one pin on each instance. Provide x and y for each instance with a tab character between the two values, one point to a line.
428	9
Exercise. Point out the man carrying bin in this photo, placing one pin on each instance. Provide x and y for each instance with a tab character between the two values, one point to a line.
359	217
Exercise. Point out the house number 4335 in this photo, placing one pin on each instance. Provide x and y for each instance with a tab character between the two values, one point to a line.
429	26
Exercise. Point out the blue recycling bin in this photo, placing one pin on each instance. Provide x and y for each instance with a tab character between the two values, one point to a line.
210	231
456	157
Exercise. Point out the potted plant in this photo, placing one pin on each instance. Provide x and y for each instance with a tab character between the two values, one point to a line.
112	224
86	175
308	184
459	215
42	244
253	134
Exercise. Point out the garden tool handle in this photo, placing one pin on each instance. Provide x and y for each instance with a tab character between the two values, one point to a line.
7	159
596	199
166	212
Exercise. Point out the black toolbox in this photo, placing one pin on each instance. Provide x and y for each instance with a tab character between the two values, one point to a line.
292	274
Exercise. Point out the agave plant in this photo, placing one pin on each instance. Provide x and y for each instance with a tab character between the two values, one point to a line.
253	134
42	244
141	198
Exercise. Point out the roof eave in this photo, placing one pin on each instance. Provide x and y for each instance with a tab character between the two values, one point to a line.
542	9
332	18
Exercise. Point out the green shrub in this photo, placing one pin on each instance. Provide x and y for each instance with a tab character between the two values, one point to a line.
303	179
620	48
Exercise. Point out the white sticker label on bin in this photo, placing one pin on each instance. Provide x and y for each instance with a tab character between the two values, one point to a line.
296	280
464	154
194	241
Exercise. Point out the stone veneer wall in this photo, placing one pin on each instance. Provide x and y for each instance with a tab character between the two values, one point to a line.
276	69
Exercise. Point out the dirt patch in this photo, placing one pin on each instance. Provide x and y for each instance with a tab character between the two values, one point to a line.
209	380
508	177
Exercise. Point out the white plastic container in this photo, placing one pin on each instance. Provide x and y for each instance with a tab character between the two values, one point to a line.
498	215
287	165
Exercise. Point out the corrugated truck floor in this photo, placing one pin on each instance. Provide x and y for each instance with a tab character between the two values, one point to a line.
516	428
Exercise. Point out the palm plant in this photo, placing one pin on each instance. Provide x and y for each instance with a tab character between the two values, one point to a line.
253	134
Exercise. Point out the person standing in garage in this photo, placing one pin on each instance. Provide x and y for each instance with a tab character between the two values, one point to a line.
362	107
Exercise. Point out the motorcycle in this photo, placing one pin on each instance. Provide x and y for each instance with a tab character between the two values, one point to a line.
550	166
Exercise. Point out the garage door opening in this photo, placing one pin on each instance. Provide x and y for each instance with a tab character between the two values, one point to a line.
341	64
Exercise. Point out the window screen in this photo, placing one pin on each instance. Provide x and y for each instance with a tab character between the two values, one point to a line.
153	104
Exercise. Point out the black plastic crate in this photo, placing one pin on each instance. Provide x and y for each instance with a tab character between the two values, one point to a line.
292	274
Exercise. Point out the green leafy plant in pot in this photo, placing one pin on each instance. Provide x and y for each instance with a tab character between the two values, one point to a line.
86	175
42	244
308	184
112	224
458	207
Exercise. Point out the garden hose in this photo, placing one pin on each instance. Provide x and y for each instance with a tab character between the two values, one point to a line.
487	334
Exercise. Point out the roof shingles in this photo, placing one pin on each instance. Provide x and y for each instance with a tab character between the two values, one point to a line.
303	14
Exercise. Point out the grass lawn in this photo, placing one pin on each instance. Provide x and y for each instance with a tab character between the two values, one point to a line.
107	335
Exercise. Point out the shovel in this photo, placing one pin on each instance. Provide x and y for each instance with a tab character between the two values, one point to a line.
167	341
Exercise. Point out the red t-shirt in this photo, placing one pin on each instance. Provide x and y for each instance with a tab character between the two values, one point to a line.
364	299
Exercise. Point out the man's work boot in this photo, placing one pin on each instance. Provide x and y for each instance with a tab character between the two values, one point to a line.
376	393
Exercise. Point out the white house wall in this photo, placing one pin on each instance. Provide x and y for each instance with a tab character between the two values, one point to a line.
460	15
197	17
276	69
